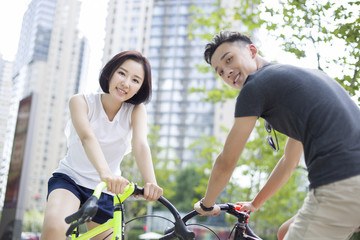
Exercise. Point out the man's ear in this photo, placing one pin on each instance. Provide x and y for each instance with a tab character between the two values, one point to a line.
253	50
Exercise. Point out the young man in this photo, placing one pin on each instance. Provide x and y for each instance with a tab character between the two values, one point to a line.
319	118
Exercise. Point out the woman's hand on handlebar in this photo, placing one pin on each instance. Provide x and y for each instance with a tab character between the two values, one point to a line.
152	192
216	211
246	206
115	184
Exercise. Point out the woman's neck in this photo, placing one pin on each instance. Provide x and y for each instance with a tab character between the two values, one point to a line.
111	107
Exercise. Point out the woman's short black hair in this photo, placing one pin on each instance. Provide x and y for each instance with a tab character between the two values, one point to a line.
144	93
223	36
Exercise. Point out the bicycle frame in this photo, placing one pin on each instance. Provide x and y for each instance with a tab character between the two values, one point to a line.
116	223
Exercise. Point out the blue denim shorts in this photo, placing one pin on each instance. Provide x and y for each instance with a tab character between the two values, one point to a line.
105	203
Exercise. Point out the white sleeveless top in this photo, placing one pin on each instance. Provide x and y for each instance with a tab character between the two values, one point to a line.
114	138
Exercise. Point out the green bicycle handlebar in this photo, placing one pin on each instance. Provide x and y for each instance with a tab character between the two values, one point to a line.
128	191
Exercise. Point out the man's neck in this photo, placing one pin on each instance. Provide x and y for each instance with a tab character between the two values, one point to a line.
260	62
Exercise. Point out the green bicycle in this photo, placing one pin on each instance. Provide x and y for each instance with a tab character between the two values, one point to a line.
89	208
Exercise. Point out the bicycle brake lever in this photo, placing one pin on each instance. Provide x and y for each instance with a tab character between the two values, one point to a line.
72	227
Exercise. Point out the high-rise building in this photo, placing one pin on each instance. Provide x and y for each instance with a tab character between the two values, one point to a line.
49	63
5	95
35	33
159	29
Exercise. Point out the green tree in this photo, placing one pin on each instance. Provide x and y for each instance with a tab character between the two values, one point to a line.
322	27
245	13
187	179
305	26
356	236
208	148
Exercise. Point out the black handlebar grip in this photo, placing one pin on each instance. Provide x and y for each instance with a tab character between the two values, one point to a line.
73	217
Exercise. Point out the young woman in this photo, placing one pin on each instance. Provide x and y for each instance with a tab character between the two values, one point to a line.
99	135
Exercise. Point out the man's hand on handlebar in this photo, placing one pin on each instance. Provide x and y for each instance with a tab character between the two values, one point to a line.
215	211
246	206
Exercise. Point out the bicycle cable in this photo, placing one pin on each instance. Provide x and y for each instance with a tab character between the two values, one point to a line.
232	230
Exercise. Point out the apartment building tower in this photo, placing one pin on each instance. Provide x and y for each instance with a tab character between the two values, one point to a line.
5	96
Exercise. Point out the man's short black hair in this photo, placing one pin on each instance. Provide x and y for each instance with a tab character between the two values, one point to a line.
223	36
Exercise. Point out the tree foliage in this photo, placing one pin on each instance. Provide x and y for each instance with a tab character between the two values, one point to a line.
327	30
205	25
323	27
187	180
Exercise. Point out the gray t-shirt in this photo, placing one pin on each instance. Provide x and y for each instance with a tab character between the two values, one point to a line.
311	107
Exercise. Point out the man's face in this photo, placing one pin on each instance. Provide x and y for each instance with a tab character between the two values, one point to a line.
234	62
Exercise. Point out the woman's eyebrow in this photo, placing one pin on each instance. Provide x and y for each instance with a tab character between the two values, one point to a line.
128	71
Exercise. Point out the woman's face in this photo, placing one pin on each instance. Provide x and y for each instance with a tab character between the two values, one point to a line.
126	80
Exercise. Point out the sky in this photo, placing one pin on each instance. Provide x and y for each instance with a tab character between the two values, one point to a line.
11	13
91	25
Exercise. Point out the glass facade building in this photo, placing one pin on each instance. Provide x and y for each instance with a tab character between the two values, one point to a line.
183	116
35	33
